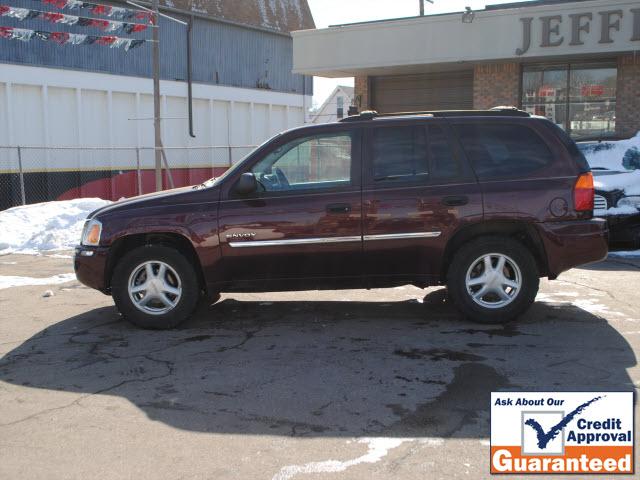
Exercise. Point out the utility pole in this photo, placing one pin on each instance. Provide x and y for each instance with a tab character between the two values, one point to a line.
155	38
156	95
422	6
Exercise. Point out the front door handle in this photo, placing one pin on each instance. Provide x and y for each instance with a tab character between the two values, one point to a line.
455	200
338	208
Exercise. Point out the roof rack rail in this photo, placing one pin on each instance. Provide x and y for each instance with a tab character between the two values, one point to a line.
493	112
364	115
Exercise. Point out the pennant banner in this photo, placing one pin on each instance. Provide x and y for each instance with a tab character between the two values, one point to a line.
64	38
106	25
103	10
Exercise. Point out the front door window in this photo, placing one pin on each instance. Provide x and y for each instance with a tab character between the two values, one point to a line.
309	163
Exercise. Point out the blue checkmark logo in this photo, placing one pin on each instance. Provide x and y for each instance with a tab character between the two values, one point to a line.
545	437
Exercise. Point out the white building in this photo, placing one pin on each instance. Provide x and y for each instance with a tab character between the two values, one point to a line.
335	107
91	96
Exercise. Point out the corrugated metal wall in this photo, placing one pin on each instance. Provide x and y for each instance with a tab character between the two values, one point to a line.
242	57
222	54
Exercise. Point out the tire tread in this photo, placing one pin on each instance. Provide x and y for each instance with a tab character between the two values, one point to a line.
190	287
492	244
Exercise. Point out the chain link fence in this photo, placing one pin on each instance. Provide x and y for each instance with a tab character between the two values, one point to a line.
38	174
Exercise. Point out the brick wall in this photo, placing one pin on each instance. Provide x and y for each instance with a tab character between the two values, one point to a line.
496	84
628	96
362	98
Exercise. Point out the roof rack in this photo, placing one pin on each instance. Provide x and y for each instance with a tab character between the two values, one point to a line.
364	115
494	112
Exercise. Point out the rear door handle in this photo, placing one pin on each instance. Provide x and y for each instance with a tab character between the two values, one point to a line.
338	208
455	200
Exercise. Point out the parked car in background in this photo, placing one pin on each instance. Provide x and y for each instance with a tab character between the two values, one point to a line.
616	170
484	202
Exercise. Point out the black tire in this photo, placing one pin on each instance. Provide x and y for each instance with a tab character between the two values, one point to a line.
467	256
182	267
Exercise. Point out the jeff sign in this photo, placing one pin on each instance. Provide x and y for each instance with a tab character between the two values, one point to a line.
562	432
607	26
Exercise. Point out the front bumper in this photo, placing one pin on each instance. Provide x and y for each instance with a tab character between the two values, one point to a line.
90	266
573	243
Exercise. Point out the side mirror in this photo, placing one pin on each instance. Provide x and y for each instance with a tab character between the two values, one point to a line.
246	184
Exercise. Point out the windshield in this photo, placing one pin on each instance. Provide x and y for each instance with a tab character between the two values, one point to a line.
215	180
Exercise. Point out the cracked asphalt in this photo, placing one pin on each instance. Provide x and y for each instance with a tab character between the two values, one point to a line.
339	384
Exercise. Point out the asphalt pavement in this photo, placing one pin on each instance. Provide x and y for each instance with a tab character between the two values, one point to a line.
336	384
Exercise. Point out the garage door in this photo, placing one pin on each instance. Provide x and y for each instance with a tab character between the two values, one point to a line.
429	91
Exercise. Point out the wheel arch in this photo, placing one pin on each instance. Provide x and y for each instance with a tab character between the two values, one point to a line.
523	232
173	240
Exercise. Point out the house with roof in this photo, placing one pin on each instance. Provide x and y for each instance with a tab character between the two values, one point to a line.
335	107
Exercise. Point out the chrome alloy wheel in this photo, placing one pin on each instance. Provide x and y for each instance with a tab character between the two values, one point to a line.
493	280
154	287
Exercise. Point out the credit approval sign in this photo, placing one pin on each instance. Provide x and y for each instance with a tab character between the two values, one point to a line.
562	432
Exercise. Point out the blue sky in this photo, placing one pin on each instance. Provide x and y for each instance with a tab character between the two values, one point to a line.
332	12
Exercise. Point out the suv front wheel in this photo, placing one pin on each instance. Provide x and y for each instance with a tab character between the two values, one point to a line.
493	279
155	287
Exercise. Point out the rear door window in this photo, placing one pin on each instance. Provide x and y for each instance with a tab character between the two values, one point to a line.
399	154
500	151
443	163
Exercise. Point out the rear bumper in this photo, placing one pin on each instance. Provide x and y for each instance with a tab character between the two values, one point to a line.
574	243
89	264
624	228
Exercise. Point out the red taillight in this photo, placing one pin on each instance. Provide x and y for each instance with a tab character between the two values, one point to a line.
583	193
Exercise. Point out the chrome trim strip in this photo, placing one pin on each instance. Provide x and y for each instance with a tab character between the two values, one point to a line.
401	236
326	240
296	241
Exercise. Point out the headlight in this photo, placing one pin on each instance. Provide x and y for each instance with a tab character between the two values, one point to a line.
91	233
629	202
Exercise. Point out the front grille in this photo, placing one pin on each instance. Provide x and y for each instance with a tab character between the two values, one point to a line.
599	204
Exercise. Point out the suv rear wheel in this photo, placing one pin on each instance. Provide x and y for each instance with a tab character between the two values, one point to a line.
155	287
493	279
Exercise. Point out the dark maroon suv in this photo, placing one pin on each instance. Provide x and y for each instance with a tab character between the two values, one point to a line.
484	202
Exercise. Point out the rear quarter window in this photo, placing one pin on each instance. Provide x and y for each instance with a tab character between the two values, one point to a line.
577	156
500	151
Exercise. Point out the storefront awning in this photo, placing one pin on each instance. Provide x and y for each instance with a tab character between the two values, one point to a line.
588	29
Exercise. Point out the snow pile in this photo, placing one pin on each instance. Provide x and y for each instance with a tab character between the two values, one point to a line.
45	226
378	448
626	254
629	182
13	281
623	210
